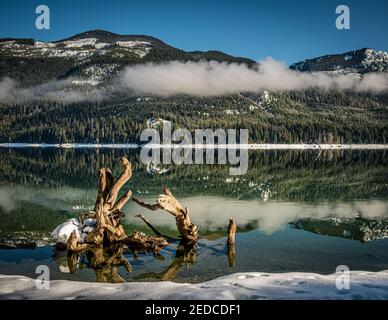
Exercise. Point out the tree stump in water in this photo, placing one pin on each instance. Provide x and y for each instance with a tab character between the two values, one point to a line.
104	245
188	231
107	212
232	227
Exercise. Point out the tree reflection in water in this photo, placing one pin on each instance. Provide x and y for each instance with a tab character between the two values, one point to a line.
105	261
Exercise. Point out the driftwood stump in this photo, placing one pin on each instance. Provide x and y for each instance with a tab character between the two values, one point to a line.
107	212
232	227
104	246
188	231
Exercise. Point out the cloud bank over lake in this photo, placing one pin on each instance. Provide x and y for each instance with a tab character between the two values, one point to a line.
211	78
203	78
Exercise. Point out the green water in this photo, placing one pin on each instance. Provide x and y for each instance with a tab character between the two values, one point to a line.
295	211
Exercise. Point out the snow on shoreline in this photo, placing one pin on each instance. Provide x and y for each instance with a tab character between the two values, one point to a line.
252	285
266	146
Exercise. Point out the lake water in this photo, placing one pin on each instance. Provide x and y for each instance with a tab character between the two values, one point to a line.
296	211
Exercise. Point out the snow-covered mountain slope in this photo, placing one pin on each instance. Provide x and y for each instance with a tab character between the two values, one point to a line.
79	49
359	61
94	56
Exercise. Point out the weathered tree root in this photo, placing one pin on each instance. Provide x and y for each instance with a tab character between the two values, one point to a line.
156	231
167	202
232	227
103	260
103	247
107	212
139	241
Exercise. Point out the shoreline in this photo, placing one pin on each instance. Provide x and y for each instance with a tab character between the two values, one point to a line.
252	146
249	285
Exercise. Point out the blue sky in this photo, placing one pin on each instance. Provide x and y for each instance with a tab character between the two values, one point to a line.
285	30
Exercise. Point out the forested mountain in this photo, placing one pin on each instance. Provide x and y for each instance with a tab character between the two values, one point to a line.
292	117
358	61
95	58
96	55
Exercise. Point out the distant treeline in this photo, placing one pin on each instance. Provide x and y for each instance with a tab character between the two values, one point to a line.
293	117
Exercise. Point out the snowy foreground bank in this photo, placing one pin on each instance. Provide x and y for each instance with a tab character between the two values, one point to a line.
254	285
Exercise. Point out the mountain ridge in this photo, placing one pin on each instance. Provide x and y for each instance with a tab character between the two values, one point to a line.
31	62
304	116
359	61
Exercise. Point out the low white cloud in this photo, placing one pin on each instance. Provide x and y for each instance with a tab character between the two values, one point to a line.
202	78
55	90
214	78
7	88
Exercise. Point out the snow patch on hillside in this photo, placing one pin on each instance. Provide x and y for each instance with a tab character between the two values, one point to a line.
78	48
348	57
79	43
376	61
132	44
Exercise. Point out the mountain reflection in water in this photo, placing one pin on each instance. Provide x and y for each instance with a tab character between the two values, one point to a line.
290	207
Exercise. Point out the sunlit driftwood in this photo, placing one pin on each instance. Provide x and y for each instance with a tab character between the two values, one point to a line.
232	227
156	231
167	202
103	260
108	213
103	247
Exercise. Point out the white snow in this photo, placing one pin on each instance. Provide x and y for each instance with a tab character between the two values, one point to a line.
78	48
140	48
252	285
132	44
232	112
376	61
153	123
63	231
156	169
88	229
90	222
101	45
82	82
79	43
97	73
348	57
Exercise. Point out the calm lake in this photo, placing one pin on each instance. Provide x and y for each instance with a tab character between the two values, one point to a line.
295	210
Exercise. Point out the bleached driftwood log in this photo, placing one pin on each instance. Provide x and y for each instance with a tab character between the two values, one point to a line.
188	231
104	245
107	212
232	227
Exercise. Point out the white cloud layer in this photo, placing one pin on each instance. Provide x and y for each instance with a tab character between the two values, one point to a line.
214	78
55	90
197	78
